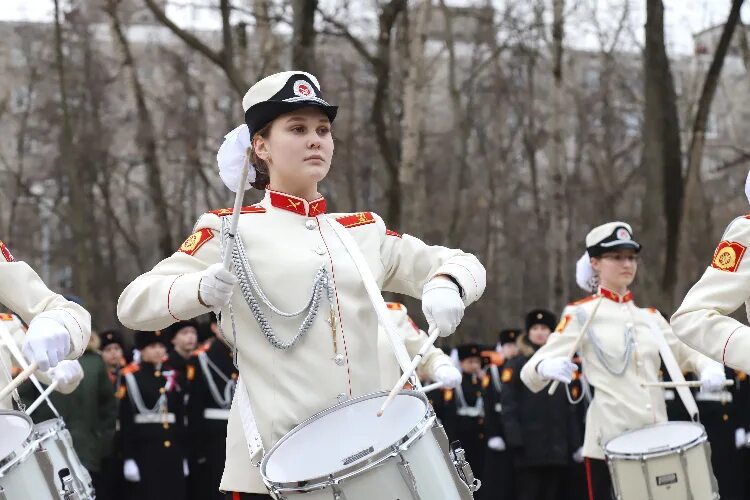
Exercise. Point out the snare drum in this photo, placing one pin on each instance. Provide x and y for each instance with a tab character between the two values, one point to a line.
25	470
668	461
348	453
53	437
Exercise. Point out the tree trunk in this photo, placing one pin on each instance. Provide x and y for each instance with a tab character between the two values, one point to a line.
145	138
411	173
662	161
303	35
78	207
269	55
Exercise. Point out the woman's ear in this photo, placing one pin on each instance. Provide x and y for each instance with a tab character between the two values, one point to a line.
595	264
261	148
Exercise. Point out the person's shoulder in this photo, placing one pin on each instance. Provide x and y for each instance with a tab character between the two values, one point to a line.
364	221
212	218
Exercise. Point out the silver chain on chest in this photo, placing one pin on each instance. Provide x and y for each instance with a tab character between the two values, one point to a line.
254	295
225	400
601	353
134	392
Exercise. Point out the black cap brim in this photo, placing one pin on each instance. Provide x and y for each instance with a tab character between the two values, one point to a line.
263	113
613	246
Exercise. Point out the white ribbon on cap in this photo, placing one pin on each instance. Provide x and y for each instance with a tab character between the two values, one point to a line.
585	273
747	187
232	155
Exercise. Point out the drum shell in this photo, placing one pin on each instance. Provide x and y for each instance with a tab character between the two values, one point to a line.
676	474
428	469
31	475
56	440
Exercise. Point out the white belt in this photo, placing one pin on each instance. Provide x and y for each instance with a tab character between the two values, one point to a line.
216	414
721	397
155	418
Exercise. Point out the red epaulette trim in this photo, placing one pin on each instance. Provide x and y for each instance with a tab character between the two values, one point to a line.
6	317
200	350
394	306
583	301
6	253
358	219
388	232
131	368
249	209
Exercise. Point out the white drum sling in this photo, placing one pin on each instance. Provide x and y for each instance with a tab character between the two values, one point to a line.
667	461
348	453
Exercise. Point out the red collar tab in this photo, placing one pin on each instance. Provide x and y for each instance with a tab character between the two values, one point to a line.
297	205
615	297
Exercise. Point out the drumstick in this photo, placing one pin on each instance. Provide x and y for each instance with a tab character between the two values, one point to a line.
20	378
236	214
687	383
413	366
42	397
579	338
432	387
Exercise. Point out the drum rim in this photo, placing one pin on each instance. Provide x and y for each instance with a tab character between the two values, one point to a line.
703	437
27	441
320	482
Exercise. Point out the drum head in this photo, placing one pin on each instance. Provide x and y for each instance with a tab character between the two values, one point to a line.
655	438
16	428
342	436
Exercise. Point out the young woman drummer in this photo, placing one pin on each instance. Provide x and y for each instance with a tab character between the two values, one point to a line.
294	306
619	351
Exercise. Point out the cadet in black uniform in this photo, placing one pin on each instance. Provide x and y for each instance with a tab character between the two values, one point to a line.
152	424
112	349
183	340
540	429
497	479
461	410
208	410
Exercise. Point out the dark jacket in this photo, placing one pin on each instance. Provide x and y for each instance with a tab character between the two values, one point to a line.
541	429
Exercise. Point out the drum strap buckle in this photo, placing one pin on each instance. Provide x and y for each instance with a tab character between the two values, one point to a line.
408	475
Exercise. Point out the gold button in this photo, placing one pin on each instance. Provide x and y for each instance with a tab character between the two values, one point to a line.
157	373
166	425
234	376
725	417
167	444
161	390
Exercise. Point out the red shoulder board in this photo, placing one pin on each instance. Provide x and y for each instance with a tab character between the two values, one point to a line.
583	301
747	216
6	317
741	376
728	256
195	241
392	233
354	220
563	324
249	209
6	253
394	306
131	368
507	375
200	350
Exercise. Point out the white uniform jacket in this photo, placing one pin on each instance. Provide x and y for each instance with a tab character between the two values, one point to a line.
702	321
414	339
23	292
620	402
287	241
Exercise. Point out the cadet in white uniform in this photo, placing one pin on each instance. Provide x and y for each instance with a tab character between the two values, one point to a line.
58	328
302	323
702	321
619	352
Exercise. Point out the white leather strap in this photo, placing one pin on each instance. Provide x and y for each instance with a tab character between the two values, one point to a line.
673	369
249	426
373	291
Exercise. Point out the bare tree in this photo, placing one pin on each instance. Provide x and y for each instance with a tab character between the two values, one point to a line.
303	35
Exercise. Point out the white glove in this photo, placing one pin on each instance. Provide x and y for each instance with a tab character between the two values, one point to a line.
740	438
67	372
185	468
216	286
578	455
47	342
449	376
713	378
496	443
442	305
130	471
560	369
